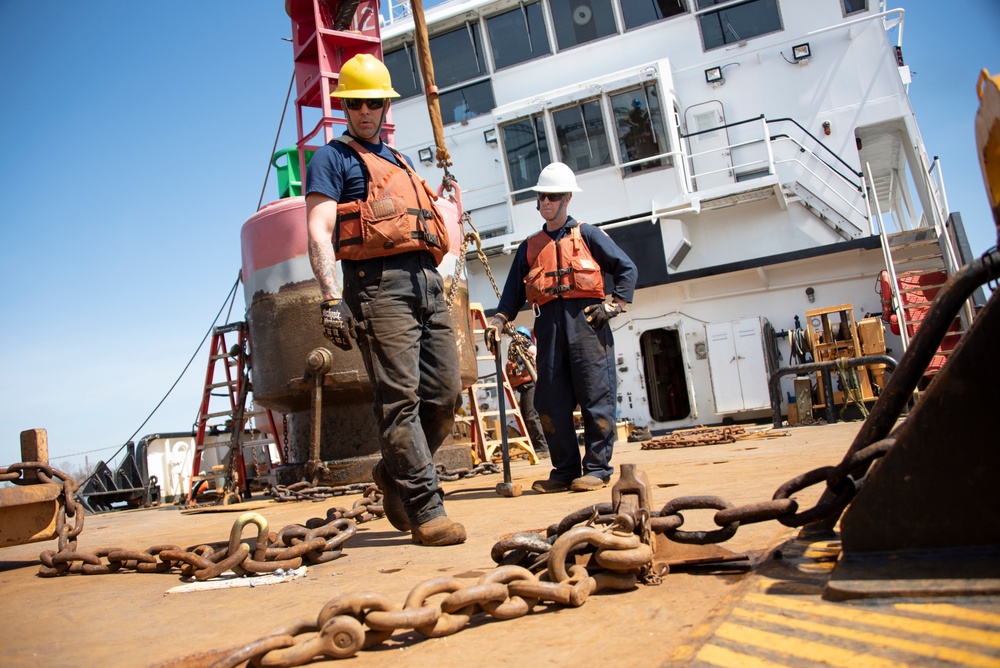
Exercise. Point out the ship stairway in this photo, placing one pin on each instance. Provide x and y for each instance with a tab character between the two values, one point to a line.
919	261
247	432
796	192
759	161
484	420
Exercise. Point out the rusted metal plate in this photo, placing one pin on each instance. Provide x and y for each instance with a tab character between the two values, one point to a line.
28	513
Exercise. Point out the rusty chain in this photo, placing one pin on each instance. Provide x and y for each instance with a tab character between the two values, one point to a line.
695	437
318	541
618	555
483	468
303	490
531	550
352	622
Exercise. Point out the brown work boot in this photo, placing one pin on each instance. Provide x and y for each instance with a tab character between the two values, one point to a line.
549	486
441	530
588	483
391	503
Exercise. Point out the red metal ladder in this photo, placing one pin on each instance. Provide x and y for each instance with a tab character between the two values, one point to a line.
229	371
486	449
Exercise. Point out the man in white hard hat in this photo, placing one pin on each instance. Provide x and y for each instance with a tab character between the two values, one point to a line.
366	207
560	272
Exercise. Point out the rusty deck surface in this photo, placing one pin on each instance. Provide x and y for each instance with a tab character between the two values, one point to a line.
773	615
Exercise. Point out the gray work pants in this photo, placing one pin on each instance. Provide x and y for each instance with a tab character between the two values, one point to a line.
409	349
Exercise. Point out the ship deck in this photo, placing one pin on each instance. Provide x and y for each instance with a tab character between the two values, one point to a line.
772	615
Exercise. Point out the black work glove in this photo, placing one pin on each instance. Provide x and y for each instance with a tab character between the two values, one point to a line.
492	333
337	322
599	314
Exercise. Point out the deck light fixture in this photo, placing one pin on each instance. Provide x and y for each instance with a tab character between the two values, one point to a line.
801	52
713	75
426	154
490	136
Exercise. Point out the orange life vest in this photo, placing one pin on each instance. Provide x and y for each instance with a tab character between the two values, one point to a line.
565	269
517	373
398	216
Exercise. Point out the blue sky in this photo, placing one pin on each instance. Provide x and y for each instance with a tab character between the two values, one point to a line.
136	138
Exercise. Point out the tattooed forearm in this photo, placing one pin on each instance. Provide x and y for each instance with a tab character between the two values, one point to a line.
322	260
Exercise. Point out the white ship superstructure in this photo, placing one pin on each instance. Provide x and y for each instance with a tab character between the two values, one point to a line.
730	147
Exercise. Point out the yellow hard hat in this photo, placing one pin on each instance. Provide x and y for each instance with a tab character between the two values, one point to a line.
364	76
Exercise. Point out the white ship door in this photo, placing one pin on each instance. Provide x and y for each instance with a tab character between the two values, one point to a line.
711	158
737	366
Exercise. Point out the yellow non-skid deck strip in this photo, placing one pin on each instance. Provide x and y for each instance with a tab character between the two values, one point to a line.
953	611
879	640
801	649
727	658
909	625
740	642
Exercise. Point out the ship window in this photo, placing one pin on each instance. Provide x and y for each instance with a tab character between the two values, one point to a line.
461	104
640	12
402	65
582	21
855	6
738	22
527	151
641	131
582	138
518	35
458	56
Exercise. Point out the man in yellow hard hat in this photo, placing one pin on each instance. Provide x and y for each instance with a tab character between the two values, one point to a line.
366	207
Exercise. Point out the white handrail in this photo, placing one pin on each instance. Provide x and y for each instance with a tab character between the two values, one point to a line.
896	301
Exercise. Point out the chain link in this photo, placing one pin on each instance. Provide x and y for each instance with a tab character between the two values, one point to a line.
318	541
590	550
468	239
695	437
445	605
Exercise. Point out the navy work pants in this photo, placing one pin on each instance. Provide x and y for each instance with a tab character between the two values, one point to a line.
575	366
409	349
530	415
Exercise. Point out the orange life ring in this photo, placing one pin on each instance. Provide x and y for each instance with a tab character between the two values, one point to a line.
885	293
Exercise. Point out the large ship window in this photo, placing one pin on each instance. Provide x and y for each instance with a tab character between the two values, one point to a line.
581	21
641	130
467	102
402	66
458	58
855	6
640	12
518	35
582	138
736	22
527	151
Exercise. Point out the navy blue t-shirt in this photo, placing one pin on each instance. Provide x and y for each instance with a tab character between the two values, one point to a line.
335	170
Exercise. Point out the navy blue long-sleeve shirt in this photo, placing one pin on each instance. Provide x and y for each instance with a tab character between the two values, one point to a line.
606	252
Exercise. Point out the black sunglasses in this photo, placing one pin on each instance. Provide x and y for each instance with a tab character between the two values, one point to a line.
354	104
552	197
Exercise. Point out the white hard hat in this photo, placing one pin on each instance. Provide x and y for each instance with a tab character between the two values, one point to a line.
557	178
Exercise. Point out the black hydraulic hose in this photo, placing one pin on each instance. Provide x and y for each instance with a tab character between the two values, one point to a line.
918	355
823	368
